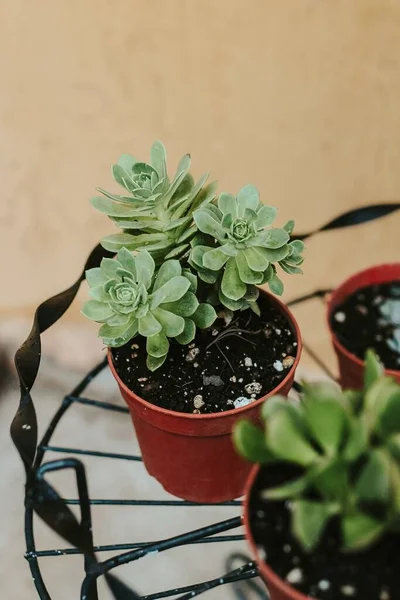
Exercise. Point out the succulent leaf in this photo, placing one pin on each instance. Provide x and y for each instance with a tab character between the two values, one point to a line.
130	297
348	445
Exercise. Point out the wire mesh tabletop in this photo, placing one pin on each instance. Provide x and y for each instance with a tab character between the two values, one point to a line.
42	499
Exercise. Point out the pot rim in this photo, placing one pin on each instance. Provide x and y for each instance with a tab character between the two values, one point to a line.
270	575
331	305
233	411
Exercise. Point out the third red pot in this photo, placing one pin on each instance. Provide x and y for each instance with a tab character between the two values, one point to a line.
192	455
351	367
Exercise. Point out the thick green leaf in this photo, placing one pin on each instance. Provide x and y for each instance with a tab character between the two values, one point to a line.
154	363
277	238
168	270
357	440
377	399
99	294
117	210
110	339
214	259
188	333
204	316
232	286
286	442
172	325
265	216
247	275
186	234
185	307
249	442
197	254
275	285
127	261
373	369
157	345
256	260
325	415
389	421
374	481
171	291
309	519
145	267
298	246
148	325
272	255
207	223
360	530
158	158
227	204
233	305
291	489
109	268
130	327
95	277
122	177
288	268
126	162
192	278
289	226
248	197
393	443
332	481
96	311
116	241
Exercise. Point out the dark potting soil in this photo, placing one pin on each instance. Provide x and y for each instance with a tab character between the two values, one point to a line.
226	366
370	318
326	574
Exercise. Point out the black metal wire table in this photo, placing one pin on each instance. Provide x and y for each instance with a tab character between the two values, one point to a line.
43	500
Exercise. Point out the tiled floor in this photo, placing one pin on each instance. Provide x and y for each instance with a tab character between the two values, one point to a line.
85	427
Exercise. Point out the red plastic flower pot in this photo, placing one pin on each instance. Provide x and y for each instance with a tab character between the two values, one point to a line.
351	367
192	455
278	589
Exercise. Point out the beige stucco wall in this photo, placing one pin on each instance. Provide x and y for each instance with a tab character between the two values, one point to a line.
301	97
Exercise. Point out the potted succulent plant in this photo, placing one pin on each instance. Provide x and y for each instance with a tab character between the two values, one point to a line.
364	312
322	512
193	342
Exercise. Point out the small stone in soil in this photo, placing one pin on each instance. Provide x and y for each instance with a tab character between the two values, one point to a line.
191	355
214	332
213	380
233	378
348	590
288	361
253	388
198	401
278	331
278	366
324	585
340	317
295	576
242	401
248	362
135	346
363	310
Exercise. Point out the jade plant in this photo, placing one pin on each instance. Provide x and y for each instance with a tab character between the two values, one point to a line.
345	447
208	252
130	298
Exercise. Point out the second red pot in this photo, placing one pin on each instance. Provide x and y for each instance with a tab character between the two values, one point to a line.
278	589
193	456
351	368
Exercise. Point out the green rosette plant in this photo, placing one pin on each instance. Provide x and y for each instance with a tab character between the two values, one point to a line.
130	298
235	251
154	213
346	446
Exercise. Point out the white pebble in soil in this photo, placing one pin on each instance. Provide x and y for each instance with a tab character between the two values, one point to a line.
348	590
191	355
233	378
363	310
287	362
278	365
198	401
242	401
248	362
253	388
295	576
213	380
384	595
324	585
340	317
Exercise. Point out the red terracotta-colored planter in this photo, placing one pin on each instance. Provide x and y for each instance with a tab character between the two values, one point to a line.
351	368
191	455
278	589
